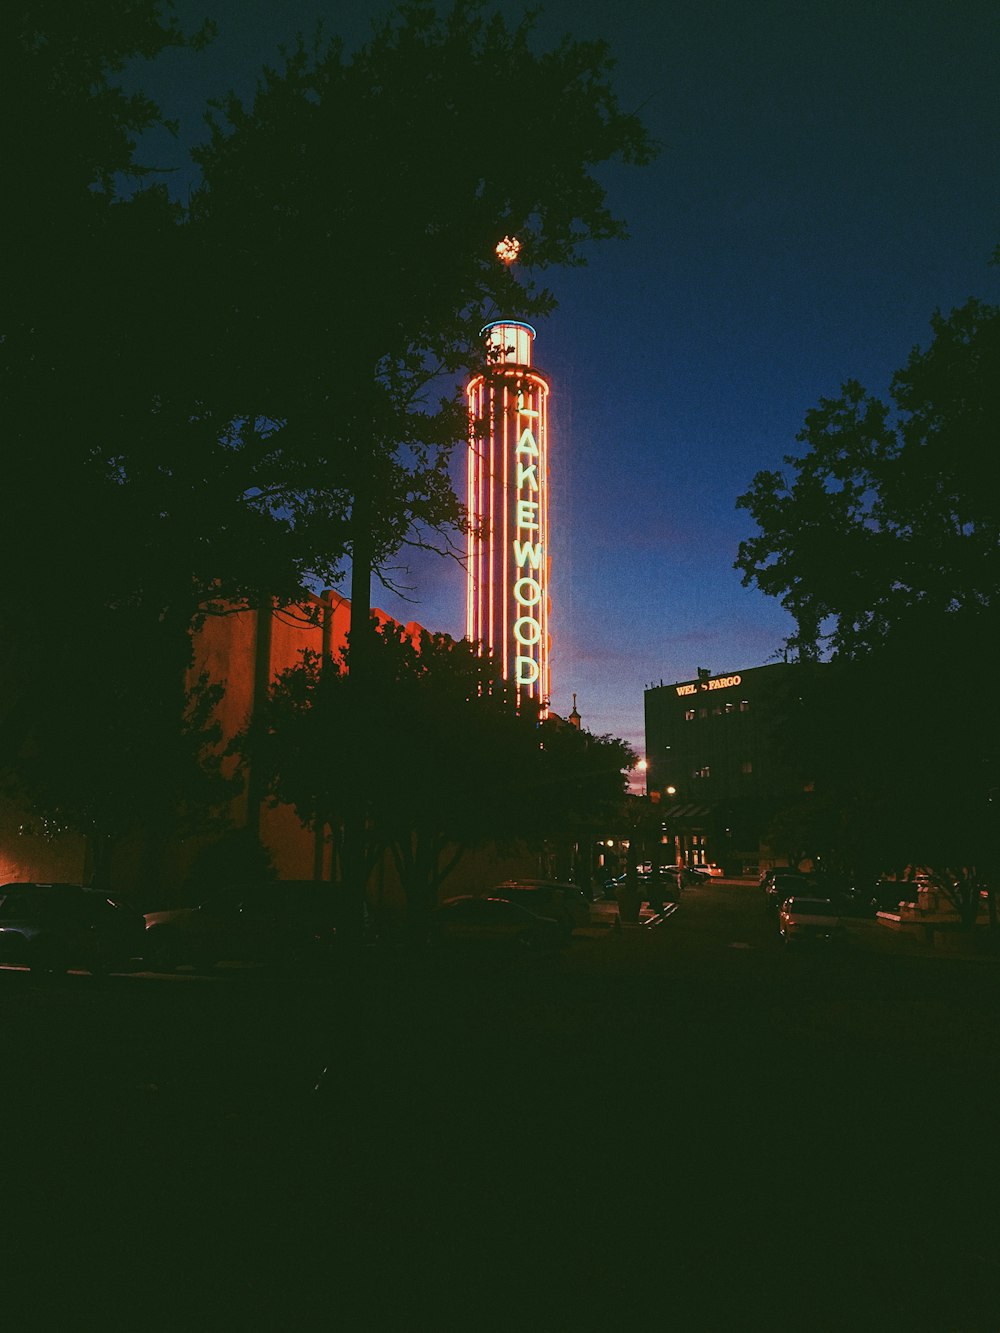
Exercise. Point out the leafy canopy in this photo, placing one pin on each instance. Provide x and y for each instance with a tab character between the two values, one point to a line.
444	761
196	392
885	548
892	515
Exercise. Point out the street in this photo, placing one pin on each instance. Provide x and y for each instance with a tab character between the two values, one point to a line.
686	1127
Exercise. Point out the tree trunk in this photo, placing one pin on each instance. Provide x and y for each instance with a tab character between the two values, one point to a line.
970	907
353	858
101	855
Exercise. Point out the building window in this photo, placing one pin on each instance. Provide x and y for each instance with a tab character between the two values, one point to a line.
703	712
689	715
744	705
746	766
730	707
704	772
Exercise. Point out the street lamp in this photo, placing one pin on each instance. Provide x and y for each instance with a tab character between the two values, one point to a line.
642	765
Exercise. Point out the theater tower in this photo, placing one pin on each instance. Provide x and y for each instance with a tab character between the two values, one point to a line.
508	546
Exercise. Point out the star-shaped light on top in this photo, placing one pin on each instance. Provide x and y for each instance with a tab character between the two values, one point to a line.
508	250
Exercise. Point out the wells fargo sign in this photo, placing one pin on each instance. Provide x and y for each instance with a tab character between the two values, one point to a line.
716	683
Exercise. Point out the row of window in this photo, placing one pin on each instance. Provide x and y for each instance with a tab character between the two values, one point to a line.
706	769
718	711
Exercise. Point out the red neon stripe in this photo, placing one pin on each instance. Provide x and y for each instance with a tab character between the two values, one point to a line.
544	664
492	571
471	393
482	538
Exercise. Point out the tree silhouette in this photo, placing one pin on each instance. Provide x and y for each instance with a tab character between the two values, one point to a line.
446	762
886	550
212	402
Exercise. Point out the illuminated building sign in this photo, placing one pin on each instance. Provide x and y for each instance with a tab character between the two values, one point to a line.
718	683
507	601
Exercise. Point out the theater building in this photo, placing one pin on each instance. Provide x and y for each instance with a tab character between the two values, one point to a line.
244	651
717	766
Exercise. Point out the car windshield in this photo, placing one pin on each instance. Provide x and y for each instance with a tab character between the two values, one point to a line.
811	907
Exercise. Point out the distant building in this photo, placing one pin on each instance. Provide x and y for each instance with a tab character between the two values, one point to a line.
718	767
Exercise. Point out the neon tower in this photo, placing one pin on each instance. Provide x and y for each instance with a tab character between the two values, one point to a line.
507	604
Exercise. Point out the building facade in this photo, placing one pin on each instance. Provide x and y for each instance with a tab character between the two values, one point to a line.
718	764
507	602
244	650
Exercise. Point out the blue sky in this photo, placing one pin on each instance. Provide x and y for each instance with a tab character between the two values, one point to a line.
829	177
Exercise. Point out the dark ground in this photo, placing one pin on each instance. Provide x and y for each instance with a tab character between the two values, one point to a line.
682	1128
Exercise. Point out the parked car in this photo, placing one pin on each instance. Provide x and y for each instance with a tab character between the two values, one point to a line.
55	927
492	922
767	875
282	922
886	894
564	903
781	883
667	878
814	920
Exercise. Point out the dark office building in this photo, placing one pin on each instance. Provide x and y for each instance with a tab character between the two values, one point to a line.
718	762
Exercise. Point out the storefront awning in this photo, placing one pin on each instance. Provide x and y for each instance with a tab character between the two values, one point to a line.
686	812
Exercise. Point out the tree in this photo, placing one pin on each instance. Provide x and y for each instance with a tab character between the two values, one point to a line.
97	732
345	264
210	403
886	551
577	790
447	762
436	766
892	518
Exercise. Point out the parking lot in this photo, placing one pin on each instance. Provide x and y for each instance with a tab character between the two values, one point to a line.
646	1120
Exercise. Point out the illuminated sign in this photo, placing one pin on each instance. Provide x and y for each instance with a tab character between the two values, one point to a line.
719	683
507	601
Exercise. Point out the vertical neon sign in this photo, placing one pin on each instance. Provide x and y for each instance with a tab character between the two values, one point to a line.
507	597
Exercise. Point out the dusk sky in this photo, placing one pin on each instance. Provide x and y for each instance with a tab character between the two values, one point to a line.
828	178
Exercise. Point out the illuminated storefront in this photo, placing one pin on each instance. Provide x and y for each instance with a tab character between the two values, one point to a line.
508	604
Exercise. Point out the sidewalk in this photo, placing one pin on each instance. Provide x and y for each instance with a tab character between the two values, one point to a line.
936	938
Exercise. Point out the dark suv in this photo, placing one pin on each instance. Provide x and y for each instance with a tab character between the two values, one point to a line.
564	903
53	927
784	882
283	922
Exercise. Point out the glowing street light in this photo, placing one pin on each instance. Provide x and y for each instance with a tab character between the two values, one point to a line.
642	765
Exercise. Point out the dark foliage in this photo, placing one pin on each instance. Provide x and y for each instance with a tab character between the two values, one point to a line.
200	398
886	550
439	756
